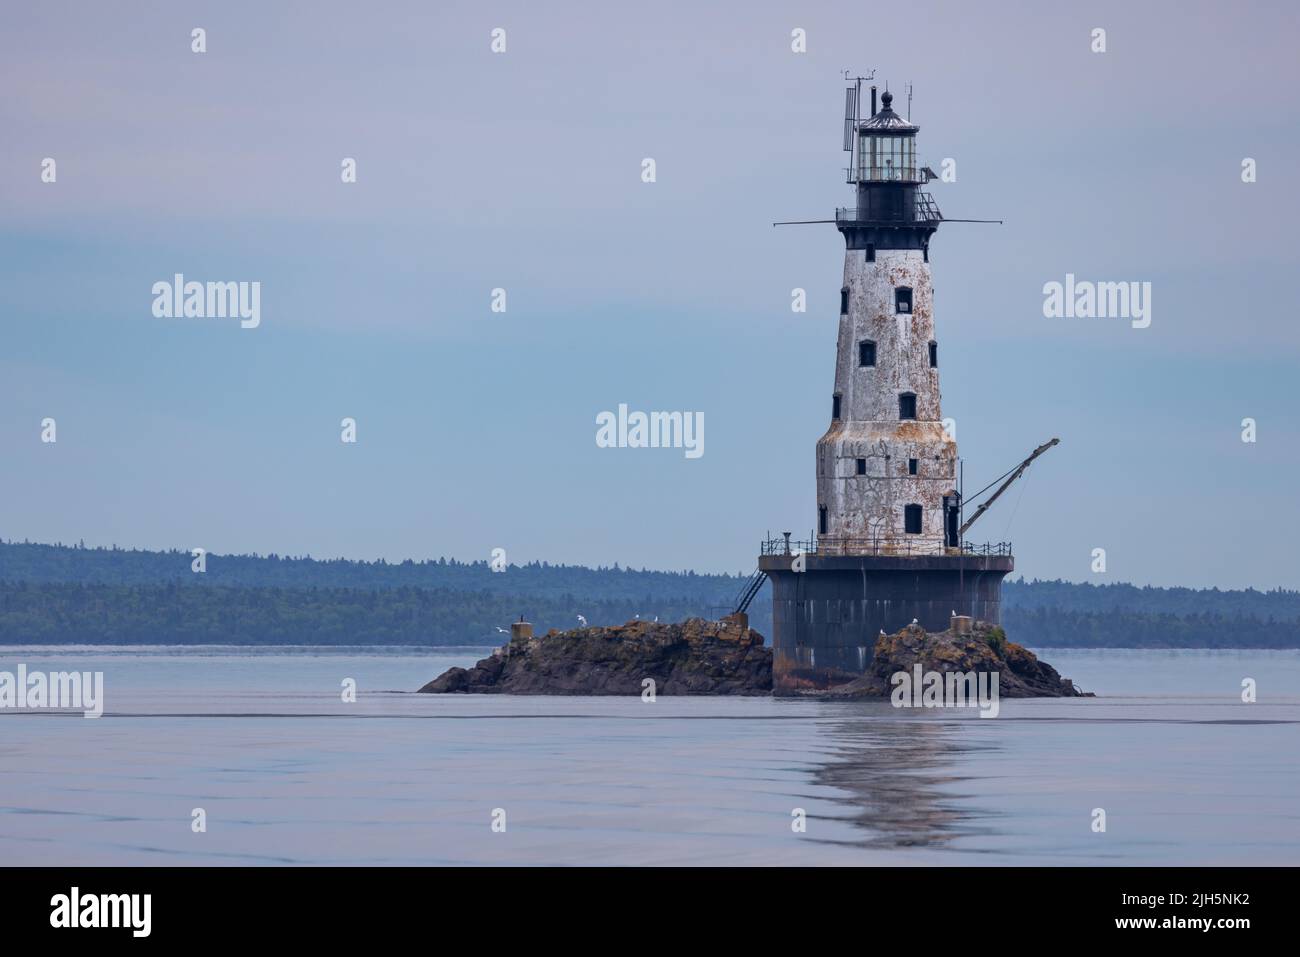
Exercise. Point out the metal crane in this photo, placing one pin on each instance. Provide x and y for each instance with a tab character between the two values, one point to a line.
1018	471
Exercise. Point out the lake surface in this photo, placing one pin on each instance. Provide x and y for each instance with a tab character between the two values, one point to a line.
288	773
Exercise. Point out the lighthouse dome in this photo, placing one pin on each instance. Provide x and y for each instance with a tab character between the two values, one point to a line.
887	121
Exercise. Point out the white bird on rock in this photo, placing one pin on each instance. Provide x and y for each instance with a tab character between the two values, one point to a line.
582	621
914	621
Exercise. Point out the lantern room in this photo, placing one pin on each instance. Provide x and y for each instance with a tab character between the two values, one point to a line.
886	147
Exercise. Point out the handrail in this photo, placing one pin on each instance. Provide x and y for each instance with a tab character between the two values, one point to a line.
827	545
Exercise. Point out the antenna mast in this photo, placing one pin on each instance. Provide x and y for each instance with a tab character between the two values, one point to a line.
853	113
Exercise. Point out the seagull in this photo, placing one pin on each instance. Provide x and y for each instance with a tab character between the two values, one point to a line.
582	621
636	617
501	630
914	621
656	617
953	613
882	631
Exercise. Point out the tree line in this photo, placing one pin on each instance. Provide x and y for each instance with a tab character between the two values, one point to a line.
59	593
33	562
34	613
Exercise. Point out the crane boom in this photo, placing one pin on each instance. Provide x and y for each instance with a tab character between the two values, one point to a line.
1020	470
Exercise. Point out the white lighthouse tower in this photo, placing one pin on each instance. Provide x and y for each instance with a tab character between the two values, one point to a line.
886	467
888	548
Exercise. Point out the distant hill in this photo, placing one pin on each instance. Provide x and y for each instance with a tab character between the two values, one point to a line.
62	593
79	613
116	566
1281	604
1062	614
58	593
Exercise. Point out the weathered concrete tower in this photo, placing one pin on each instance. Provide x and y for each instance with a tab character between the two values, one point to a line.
887	548
885	466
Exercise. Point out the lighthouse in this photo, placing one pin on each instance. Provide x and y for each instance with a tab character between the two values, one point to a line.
886	467
888	546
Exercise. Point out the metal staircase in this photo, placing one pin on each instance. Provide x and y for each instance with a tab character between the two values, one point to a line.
750	591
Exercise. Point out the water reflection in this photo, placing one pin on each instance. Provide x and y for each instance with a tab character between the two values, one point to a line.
896	776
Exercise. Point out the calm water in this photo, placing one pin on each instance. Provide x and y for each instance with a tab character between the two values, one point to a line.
289	774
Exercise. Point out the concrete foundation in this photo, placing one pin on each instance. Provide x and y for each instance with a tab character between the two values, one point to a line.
826	618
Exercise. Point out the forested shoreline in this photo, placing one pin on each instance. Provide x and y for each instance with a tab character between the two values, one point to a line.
55	594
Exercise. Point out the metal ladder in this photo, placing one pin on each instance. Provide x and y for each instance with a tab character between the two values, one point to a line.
750	591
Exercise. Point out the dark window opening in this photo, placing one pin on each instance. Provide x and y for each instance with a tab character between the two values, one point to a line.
906	406
934	354
862	466
866	353
902	299
835	407
911	466
912	519
821	520
951	513
925	253
844	301
871	252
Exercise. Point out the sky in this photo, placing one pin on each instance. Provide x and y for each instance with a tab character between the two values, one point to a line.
522	170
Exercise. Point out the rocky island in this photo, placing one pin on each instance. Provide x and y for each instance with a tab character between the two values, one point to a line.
693	657
969	647
727	657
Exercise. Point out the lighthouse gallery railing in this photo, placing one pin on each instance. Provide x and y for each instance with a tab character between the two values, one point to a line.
826	545
926	210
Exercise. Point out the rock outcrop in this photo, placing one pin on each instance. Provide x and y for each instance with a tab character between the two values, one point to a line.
699	657
984	649
694	657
